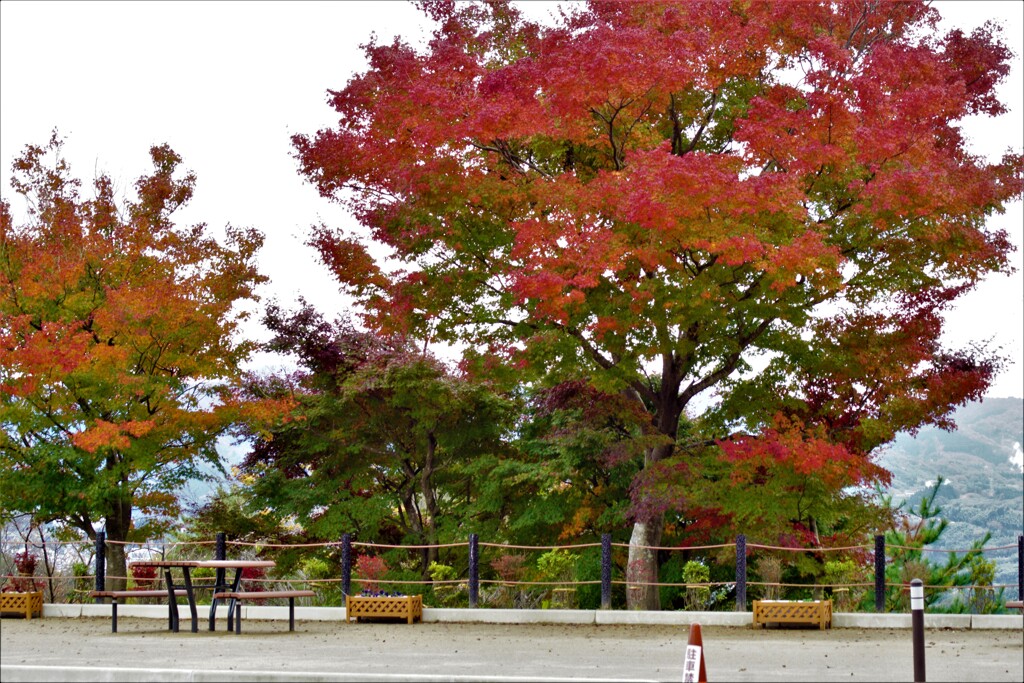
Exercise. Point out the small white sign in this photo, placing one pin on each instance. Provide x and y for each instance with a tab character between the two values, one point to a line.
691	664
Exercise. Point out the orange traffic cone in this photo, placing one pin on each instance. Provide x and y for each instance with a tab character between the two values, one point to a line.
694	670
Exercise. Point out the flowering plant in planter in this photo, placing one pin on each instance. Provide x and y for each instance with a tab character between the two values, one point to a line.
25	562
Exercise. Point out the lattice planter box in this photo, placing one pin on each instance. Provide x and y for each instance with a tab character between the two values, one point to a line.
813	612
22	603
408	607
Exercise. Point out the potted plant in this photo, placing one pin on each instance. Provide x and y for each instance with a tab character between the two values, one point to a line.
23	594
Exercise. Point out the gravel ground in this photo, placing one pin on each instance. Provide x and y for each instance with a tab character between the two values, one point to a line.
510	651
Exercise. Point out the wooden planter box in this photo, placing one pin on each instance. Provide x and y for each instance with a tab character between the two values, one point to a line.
814	612
22	603
408	607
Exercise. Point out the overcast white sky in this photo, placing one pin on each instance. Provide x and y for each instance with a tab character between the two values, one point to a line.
227	83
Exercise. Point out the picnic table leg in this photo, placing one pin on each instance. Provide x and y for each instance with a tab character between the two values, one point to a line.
233	603
219	585
171	602
191	600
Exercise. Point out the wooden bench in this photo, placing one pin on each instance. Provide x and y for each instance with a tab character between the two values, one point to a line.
815	612
126	595
238	596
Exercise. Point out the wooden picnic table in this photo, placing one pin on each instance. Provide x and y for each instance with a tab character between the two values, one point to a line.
219	585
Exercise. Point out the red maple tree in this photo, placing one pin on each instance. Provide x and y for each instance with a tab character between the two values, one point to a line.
756	210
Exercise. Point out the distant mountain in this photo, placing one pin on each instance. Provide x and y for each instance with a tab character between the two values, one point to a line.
983	465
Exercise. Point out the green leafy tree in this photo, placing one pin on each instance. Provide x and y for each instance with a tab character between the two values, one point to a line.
226	511
118	336
568	477
370	437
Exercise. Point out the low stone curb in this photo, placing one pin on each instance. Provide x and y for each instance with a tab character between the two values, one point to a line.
71	674
551	616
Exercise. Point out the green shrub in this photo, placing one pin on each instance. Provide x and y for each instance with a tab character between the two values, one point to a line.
318	569
697	597
447	594
558	565
81	584
588	595
839	574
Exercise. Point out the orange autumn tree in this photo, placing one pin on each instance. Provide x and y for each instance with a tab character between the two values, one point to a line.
756	212
117	336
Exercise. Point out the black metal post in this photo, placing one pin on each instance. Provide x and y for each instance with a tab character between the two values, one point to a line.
1020	567
917	624
346	566
879	573
221	551
606	571
741	573
101	562
474	570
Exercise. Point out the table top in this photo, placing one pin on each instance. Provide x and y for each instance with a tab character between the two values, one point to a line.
213	564
234	564
164	563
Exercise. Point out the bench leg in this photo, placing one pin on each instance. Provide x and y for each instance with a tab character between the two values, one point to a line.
113	615
291	614
238	616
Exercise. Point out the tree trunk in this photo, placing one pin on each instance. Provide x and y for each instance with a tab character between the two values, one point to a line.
430	502
642	564
117	525
117	567
642	567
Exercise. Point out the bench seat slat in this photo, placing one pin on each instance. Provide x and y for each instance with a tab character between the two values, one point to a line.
124	595
135	594
239	596
256	595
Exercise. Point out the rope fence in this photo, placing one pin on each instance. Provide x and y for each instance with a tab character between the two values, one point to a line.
468	578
